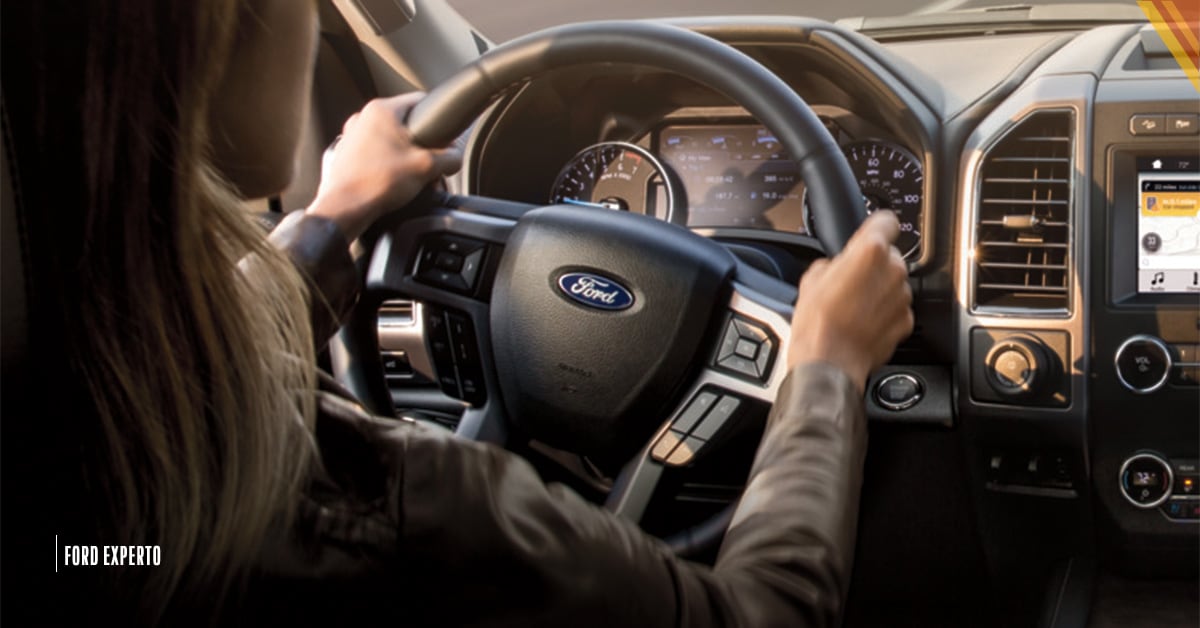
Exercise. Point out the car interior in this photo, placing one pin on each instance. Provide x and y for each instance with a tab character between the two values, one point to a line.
606	286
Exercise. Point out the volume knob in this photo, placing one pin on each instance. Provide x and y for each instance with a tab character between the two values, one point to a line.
1143	363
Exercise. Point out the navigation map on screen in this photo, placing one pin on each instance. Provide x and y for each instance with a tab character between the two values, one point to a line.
1169	224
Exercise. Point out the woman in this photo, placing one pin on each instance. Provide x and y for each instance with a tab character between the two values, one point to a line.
185	414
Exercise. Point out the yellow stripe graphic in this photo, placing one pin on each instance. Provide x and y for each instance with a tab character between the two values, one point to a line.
1167	27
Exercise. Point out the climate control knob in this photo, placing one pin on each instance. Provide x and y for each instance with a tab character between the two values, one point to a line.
1018	367
1145	480
1143	363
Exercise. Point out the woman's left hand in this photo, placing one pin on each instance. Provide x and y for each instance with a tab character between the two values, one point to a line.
375	167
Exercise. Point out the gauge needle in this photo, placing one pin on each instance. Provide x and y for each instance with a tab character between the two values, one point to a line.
579	203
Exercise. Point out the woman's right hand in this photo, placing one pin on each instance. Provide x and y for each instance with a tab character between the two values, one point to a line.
376	168
855	308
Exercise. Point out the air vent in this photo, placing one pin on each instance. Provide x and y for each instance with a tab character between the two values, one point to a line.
1023	219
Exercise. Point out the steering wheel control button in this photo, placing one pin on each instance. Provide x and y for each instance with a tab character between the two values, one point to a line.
666	444
396	365
450	262
746	349
1145	480
695	411
714	422
446	260
1143	364
703	420
899	391
454	352
466	359
686	452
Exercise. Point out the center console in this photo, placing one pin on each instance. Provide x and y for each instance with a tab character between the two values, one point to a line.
1145	400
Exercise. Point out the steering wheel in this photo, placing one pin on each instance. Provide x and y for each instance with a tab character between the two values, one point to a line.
604	333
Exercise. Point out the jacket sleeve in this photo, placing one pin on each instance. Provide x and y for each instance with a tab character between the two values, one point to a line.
322	256
487	543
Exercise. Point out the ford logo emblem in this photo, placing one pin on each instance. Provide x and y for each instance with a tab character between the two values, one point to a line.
595	291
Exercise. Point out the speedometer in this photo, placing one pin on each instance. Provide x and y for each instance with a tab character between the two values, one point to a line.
890	178
620	176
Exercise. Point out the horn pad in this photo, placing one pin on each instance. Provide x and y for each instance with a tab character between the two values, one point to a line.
597	319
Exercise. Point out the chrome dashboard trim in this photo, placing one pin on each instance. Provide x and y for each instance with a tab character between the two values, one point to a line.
970	233
1075	93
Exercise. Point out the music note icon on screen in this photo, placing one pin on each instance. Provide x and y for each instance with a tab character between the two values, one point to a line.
1158	279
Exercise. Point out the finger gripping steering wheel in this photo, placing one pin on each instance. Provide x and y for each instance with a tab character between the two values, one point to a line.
605	333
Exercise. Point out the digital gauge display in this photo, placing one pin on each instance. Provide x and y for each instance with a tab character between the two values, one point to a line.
734	175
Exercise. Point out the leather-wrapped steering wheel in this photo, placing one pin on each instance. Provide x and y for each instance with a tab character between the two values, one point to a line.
605	333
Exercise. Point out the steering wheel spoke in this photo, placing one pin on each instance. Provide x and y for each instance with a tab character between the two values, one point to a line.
445	260
745	367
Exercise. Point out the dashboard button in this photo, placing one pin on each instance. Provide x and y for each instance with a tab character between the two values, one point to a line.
1142	364
746	348
1187	485
1147	124
898	391
1182	124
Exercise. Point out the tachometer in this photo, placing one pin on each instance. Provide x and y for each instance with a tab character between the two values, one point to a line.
620	176
890	178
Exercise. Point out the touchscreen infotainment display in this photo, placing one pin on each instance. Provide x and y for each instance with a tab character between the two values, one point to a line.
736	175
1168	224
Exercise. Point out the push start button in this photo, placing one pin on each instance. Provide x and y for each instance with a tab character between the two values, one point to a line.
899	391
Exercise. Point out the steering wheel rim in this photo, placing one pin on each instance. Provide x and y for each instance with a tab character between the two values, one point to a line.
833	192
449	110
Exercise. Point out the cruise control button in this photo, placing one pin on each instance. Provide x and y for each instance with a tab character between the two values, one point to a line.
718	418
665	445
686	452
695	411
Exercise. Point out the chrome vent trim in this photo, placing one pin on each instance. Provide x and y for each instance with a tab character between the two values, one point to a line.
1022	234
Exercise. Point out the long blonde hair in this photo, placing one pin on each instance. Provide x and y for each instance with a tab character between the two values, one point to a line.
189	333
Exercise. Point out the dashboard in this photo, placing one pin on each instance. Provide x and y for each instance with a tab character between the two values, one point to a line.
1048	184
735	174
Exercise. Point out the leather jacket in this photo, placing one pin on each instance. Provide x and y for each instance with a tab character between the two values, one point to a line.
407	525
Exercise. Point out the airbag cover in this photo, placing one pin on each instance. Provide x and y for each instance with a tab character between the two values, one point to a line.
597	317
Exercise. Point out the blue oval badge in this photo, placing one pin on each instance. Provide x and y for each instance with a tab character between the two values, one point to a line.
595	291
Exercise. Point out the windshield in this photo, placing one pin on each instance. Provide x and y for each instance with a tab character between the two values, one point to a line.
501	21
